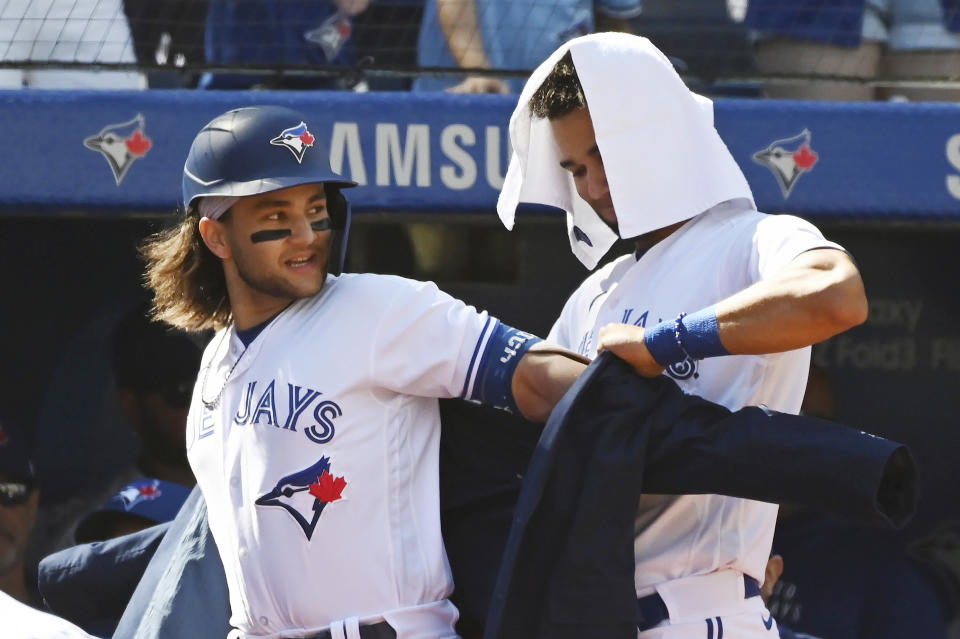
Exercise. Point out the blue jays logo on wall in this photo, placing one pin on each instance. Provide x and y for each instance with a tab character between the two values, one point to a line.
297	139
788	159
121	145
139	491
305	493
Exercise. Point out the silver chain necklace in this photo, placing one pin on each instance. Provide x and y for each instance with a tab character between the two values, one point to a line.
215	402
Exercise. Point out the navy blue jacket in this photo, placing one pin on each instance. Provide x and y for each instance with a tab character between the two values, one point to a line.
568	567
91	584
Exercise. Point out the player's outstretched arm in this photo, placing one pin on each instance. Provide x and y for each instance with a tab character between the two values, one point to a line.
542	377
814	297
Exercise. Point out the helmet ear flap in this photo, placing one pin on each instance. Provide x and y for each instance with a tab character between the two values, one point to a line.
339	209
336	205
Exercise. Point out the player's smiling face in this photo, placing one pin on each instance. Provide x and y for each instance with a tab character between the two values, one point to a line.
278	244
580	155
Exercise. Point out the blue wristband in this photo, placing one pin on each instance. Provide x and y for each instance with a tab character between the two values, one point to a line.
699	334
662	344
695	336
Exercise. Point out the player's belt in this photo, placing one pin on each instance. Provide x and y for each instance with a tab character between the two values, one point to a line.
381	630
653	611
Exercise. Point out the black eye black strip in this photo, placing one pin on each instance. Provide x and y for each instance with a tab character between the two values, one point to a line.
269	235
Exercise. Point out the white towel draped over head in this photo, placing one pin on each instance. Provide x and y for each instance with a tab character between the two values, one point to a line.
663	158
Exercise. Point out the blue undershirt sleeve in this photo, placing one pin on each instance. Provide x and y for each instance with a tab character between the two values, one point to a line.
504	351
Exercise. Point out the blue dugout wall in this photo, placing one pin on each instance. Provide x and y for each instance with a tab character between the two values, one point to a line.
417	152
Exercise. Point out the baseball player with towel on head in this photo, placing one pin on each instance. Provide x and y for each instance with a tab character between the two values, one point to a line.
725	300
314	425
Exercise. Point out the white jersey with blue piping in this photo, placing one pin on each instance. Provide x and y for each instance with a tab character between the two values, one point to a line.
319	463
716	254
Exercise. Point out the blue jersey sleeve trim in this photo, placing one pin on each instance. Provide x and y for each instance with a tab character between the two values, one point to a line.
472	368
505	349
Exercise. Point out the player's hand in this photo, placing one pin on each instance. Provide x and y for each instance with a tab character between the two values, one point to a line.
626	342
476	84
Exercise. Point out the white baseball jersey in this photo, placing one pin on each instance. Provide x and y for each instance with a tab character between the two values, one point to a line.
20	621
711	257
319	465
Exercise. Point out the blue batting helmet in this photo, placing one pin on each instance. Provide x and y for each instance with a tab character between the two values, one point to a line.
259	149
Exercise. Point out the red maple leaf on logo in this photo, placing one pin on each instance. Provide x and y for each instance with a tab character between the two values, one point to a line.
306	138
138	143
327	488
148	491
805	157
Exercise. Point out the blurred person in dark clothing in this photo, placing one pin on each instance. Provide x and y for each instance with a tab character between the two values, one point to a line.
19	499
140	504
155	368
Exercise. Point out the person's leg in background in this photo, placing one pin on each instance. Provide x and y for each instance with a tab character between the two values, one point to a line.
827	45
921	47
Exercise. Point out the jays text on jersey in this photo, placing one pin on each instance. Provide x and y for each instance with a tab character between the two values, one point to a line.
711	257
316	448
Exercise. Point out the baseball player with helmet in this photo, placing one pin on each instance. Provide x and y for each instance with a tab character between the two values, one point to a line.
725	300
314	424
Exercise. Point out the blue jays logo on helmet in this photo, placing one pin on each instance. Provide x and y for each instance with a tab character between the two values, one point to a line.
121	145
297	139
305	493
788	159
138	492
240	153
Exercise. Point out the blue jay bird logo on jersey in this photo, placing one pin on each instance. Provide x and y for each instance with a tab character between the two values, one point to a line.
121	145
297	139
788	159
305	493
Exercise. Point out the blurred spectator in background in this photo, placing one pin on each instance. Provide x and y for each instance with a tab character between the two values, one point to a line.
90	584
771	579
843	580
85	31
280	35
116	411
19	499
506	34
155	368
860	40
846	581
140	504
168	33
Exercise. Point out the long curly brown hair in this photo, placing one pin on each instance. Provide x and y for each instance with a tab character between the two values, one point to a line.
187	280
